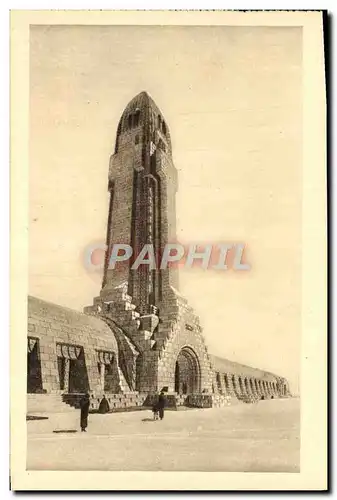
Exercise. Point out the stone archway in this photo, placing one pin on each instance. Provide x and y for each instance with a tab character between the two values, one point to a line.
187	372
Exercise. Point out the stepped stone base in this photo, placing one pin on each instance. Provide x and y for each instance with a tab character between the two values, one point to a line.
116	401
171	400
209	400
46	403
55	405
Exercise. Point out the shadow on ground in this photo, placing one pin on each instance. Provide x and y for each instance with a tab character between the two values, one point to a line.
65	431
35	417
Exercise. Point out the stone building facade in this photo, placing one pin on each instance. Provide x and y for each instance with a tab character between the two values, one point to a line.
140	334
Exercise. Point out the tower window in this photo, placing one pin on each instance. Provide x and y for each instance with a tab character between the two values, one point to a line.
164	128
159	122
136	118
137	139
129	121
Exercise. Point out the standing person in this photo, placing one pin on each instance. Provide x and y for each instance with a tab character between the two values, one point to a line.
104	405
84	405
161	404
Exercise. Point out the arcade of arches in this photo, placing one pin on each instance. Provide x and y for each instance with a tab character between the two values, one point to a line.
242	386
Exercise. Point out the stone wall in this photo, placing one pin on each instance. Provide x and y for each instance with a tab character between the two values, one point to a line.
62	332
158	344
180	328
149	358
246	383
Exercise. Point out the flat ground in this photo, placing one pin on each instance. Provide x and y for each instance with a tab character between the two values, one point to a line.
262	437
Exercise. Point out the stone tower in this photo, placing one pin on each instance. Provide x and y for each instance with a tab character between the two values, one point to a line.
166	345
142	185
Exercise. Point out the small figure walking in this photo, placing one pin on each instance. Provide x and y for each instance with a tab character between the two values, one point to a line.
155	410
84	405
161	404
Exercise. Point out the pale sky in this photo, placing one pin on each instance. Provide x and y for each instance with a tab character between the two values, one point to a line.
232	99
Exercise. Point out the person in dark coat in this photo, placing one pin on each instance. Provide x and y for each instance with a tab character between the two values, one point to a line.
104	405
161	404
155	411
84	405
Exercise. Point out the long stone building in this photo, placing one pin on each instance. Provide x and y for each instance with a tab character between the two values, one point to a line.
140	334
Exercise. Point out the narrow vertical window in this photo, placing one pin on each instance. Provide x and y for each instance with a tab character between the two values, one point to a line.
136	118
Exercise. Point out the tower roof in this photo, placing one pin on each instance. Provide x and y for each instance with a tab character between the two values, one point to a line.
144	102
150	115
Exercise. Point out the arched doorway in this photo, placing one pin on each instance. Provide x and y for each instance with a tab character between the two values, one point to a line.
187	372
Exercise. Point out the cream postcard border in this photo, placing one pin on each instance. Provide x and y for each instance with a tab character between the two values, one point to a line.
314	263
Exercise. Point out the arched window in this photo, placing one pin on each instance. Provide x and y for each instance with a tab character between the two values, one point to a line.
159	122
136	118
163	127
226	381
137	139
129	121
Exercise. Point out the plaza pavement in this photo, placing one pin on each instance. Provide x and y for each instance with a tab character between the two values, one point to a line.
261	437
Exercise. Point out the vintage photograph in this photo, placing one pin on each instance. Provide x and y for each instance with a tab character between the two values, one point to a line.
165	244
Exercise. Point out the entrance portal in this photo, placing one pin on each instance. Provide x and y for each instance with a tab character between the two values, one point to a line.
72	369
187	372
78	377
34	375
